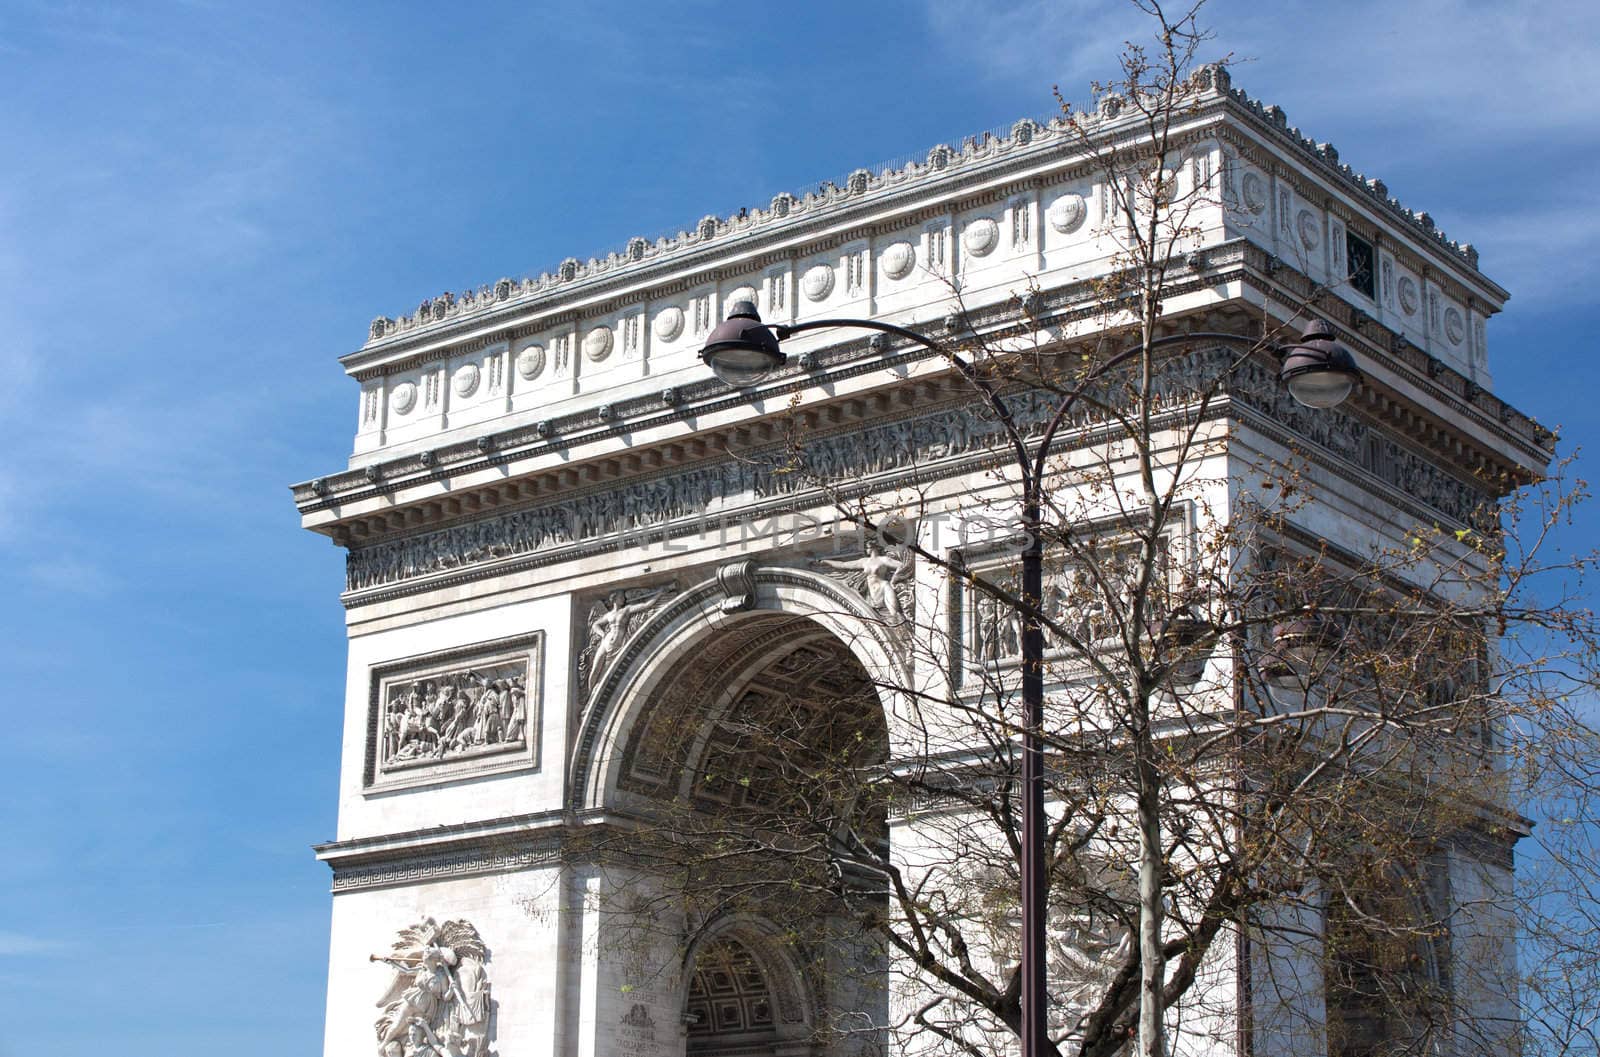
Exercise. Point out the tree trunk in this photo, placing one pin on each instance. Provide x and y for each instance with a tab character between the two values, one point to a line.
1152	962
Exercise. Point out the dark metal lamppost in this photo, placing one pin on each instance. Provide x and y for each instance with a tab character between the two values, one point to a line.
1318	373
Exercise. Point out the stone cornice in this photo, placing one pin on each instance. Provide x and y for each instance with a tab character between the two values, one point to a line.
568	435
893	440
1445	388
838	218
790	225
433	838
1437	259
497	846
504	845
1272	125
522	842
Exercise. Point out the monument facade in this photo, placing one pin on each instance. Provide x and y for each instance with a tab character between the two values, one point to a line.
574	554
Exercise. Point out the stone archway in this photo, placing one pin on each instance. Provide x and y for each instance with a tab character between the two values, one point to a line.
730	1011
731	626
744	998
751	737
769	700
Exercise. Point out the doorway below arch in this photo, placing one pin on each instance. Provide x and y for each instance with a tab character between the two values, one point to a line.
751	771
729	1011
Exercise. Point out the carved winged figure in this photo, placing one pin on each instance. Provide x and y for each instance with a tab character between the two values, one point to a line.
878	576
1090	940
438	1001
1087	950
613	620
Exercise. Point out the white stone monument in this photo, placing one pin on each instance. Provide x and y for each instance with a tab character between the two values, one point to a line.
566	537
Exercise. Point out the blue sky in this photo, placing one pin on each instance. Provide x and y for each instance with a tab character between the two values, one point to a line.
203	204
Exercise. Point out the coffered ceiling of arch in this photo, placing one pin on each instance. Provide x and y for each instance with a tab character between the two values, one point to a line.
790	681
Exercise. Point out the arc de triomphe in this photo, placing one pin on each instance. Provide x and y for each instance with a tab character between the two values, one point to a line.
570	547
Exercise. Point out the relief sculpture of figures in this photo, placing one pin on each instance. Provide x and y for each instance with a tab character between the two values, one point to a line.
882	578
466	712
945	433
438	1003
612	621
1086	951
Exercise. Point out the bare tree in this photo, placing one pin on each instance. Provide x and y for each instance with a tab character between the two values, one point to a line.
1267	754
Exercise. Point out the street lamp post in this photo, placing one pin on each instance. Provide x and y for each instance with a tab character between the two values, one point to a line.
1318	372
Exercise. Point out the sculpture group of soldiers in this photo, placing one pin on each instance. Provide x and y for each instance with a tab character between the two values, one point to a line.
675	495
429	719
437	1003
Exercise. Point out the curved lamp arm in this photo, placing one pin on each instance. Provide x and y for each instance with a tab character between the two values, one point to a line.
1318	371
1013	431
1034	468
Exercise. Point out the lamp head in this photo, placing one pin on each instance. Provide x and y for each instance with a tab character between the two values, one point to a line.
742	350
1303	645
1318	370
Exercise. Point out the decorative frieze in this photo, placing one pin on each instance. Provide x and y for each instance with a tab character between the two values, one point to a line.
597	344
473	858
403	397
1410	299
680	499
981	236
1021	222
899	259
1255	193
817	283
1349	437
1066	214
936	247
777	292
1309	228
530	362
669	323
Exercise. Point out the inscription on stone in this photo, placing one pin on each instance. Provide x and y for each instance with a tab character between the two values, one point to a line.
636	1033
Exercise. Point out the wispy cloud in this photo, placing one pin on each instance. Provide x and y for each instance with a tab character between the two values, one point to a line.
1520	69
1540	248
124	246
16	944
1492	107
72	576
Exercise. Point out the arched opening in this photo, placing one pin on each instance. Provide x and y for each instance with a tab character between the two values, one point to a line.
681	665
730	1010
752	768
1388	993
735	746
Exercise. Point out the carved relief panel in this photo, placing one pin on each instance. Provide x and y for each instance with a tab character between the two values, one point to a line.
459	713
1079	600
1253	196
